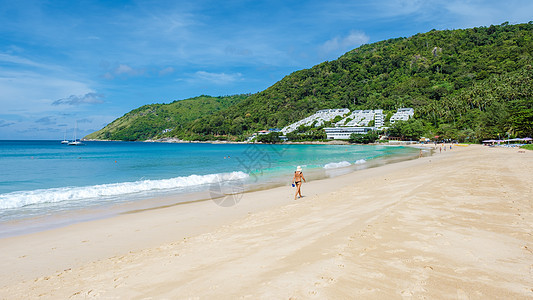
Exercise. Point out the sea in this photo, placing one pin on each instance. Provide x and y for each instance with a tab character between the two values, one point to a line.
46	184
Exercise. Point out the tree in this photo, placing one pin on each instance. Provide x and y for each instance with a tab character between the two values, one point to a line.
270	138
367	138
410	130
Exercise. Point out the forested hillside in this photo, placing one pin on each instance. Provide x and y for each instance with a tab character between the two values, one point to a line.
149	121
468	84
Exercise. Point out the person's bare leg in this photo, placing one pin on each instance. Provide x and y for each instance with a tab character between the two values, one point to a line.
298	185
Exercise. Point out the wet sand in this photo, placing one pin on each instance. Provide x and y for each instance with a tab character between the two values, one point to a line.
458	224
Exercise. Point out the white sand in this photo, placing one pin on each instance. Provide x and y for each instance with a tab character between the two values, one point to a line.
455	225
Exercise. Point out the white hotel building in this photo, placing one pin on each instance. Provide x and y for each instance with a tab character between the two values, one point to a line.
403	114
343	133
360	120
355	122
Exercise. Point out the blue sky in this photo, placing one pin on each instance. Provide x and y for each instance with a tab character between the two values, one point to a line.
90	62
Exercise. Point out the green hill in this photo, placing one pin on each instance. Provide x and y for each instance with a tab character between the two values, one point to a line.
468	84
149	121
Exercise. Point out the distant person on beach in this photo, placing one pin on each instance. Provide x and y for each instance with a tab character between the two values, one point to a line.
297	181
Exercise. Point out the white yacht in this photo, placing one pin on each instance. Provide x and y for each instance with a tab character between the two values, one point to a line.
65	141
75	142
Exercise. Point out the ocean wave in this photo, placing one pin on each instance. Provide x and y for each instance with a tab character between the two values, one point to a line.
335	165
25	198
342	164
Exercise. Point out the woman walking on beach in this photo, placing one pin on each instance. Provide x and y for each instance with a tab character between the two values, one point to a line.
297	180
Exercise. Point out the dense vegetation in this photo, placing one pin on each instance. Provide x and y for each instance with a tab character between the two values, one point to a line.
271	138
368	138
527	147
467	84
149	121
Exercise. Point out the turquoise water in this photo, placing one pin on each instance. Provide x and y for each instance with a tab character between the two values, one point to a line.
45	177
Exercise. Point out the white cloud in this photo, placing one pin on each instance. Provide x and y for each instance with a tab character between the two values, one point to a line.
453	14
4	123
481	13
48	120
230	50
122	70
393	8
89	98
27	91
21	61
217	78
166	71
342	44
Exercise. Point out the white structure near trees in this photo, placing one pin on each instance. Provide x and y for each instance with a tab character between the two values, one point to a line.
363	118
403	114
343	133
319	117
358	121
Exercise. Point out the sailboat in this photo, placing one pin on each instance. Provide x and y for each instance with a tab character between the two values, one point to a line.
65	141
75	142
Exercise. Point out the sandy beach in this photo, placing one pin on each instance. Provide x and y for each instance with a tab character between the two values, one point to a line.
458	224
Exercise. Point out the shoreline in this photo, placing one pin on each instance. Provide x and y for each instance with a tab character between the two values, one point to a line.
191	209
331	142
179	141
39	223
414	228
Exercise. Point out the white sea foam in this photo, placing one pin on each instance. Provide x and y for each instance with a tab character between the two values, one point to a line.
335	165
25	198
342	164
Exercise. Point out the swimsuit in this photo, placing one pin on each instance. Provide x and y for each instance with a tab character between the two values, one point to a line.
300	179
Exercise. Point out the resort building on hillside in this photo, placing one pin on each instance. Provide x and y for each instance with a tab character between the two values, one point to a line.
318	119
343	133
379	118
403	114
363	118
358	121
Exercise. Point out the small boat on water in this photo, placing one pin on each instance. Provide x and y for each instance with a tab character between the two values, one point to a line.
65	141
75	142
